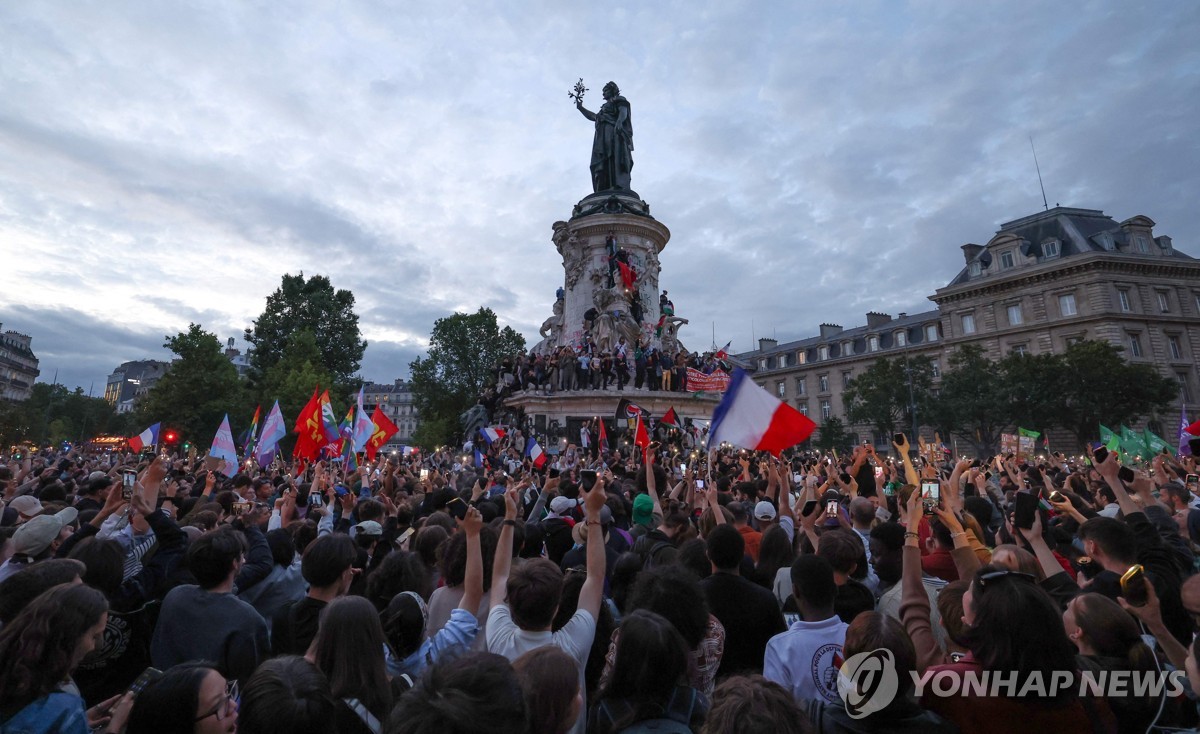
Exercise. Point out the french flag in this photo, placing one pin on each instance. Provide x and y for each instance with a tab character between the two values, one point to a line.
752	418
148	437
491	434
534	452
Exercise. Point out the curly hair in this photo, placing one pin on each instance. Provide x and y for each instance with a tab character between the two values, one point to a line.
37	650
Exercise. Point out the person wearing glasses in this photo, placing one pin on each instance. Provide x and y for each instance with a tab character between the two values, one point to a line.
191	698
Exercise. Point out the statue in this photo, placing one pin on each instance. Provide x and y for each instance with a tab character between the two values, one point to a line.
472	420
612	320
550	331
612	146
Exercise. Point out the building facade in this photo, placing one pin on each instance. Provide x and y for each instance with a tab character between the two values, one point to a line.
131	381
396	400
1039	285
18	366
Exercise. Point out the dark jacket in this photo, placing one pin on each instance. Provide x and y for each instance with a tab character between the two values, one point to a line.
902	716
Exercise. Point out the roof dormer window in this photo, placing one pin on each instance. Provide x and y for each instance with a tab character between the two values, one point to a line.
1050	249
975	269
1007	261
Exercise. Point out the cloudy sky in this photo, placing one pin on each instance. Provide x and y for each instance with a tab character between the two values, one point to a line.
168	162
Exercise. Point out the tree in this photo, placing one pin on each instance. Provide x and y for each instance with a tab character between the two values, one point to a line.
1099	386
198	390
888	391
293	378
52	413
832	435
1034	387
464	350
972	403
309	305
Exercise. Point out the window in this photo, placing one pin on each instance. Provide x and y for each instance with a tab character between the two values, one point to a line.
1183	386
1050	249
872	344
1014	314
1175	347
1073	340
781	388
823	383
846	377
1135	345
823	352
1006	260
803	408
931	333
1164	302
1123	297
1066	304
935	369
968	323
826	410
1142	244
975	269
1197	297
801	357
762	364
902	337
1020	349
801	384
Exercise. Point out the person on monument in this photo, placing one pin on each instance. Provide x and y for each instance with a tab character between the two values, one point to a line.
612	146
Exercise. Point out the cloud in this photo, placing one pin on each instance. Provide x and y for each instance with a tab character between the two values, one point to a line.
168	163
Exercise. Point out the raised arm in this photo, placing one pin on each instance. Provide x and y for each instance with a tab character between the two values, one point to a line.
910	472
592	593
473	582
503	561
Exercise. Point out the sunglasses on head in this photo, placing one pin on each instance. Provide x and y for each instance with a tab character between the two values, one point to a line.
993	576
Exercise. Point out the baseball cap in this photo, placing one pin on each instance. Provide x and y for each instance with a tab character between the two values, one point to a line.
643	510
561	505
764	511
27	505
97	475
35	536
369	527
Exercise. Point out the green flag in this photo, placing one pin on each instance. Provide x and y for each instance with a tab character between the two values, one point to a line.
1133	444
1155	443
1028	433
1111	441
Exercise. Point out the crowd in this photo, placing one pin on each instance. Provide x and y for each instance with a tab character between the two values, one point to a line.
718	592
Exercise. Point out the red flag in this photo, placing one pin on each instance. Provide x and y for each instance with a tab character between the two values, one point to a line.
603	439
640	437
383	430
309	437
1193	429
670	418
628	275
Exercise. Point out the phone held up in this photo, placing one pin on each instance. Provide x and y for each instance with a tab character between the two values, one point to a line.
128	480
931	495
1133	586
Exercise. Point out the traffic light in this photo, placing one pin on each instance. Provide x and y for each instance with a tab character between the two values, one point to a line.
170	437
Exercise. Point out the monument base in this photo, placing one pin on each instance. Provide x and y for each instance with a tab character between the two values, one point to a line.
560	415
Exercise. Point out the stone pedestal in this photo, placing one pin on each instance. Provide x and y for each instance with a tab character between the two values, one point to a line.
600	225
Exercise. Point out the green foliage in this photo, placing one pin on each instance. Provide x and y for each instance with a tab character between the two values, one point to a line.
53	413
198	390
463	351
1099	386
314	306
885	394
973	402
832	434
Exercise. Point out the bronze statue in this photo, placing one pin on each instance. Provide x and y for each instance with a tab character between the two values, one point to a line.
612	146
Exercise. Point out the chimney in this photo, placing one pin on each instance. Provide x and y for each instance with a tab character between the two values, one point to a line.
971	251
901	315
766	345
876	319
828	330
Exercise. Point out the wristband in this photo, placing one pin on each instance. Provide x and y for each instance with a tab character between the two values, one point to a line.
911	535
510	523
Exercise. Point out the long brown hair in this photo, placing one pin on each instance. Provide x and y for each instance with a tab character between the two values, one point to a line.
37	649
1111	631
550	681
348	649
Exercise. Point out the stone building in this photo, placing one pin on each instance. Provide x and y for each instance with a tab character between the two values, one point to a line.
1040	284
396	400
18	366
131	381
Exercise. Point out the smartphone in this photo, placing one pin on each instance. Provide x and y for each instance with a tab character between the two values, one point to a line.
797	478
1126	474
1025	510
844	477
683	468
315	499
148	676
889	490
931	495
1133	585
128	480
405	536
879	471
457	508
975	464
810	507
587	479
831	508
1099	455
241	508
699	484
1192	479
424	473
898	438
1057	496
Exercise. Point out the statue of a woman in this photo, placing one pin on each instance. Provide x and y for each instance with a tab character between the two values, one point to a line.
612	147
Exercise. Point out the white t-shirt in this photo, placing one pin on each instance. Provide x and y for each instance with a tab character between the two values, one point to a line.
505	638
805	659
